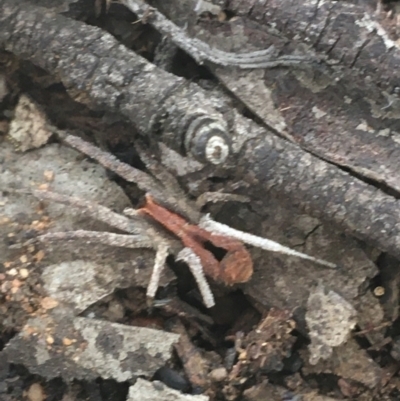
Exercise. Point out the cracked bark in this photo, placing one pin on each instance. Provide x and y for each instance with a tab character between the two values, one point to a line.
109	76
344	107
348	33
322	191
106	75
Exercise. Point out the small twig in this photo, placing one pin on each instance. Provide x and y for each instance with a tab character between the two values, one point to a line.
160	190
372	329
218	228
202	52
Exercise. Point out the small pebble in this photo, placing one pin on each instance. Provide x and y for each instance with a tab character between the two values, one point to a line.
43	187
66	341
379	291
39	256
23	259
218	374
35	393
16	283
12	272
49	340
49	175
24	273
48	303
171	378
5	287
115	311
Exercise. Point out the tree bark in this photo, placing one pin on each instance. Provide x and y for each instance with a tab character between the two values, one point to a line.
98	71
344	107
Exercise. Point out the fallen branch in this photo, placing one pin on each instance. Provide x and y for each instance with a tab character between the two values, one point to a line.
111	77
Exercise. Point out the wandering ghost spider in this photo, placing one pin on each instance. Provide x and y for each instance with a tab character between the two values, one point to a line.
235	267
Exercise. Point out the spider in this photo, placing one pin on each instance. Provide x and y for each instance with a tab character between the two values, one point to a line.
236	265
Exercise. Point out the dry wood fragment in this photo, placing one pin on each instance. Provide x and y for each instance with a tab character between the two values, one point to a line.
202	52
367	42
268	165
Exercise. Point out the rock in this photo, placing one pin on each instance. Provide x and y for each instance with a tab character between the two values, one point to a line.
157	391
94	349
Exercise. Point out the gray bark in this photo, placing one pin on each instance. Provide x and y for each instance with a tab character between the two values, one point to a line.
345	32
98	71
344	107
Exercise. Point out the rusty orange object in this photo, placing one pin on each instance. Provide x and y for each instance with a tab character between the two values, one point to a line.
235	267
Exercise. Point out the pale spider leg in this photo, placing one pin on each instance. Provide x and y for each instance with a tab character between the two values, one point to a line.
128	211
198	5
118	240
143	180
158	170
99	237
218	228
145	236
195	266
94	210
159	264
173	193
